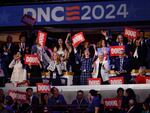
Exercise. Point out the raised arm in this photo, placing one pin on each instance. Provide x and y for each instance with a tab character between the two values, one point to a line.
66	41
12	64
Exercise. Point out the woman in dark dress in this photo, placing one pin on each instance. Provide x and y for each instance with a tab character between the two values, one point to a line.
34	74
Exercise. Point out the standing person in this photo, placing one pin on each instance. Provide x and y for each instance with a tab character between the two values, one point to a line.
61	50
19	73
133	107
9	105
5	61
101	69
80	103
121	97
56	100
129	94
56	68
123	66
120	41
138	56
34	73
33	100
93	102
72	63
80	100
103	48
22	44
148	54
42	54
44	102
10	46
3	77
86	66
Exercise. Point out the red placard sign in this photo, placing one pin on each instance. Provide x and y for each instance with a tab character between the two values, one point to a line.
131	33
77	39
23	84
116	50
17	95
12	93
116	80
43	88
21	96
31	59
94	81
147	80
41	39
112	103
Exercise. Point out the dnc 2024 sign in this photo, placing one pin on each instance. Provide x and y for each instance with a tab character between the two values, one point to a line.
77	13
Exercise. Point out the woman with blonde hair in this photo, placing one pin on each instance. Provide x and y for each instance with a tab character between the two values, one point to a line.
56	68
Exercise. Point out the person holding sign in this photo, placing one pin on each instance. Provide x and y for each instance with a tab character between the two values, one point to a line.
120	41
86	61
72	63
18	74
34	73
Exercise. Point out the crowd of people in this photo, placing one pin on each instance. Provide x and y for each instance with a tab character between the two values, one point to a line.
54	102
88	60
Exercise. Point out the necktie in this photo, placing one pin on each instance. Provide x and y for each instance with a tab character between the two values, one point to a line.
135	55
121	64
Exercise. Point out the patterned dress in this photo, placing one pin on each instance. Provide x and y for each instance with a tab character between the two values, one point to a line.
86	69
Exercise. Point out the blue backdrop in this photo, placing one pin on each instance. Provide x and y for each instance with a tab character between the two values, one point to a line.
77	13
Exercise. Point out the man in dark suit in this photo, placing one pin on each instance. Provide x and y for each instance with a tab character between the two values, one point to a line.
139	53
120	41
10	46
33	100
133	108
123	66
22	44
148	54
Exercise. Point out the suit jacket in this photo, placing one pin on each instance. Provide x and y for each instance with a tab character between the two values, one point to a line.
35	101
12	49
126	64
104	70
21	50
134	110
148	53
140	60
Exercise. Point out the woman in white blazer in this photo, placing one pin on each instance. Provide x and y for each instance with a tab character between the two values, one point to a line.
19	73
101	69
